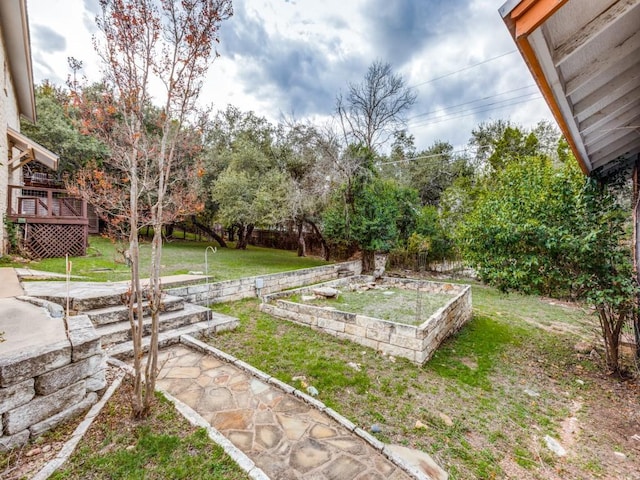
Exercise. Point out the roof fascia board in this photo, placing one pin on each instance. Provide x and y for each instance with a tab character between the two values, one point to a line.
542	73
530	14
15	30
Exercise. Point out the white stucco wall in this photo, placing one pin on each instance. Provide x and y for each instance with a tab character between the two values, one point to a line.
8	117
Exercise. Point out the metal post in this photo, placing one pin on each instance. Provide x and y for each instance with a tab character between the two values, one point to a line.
206	272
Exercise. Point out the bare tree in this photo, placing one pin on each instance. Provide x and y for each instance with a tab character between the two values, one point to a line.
147	45
375	108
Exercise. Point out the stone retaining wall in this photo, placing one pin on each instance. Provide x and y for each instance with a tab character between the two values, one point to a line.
251	287
416	343
44	387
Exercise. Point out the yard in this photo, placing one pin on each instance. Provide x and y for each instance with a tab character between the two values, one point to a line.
105	262
522	369
525	367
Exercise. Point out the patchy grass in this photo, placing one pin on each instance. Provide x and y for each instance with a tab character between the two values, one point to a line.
163	446
104	261
485	401
393	304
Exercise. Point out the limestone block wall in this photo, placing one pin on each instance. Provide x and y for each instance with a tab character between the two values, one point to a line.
416	343
249	287
44	387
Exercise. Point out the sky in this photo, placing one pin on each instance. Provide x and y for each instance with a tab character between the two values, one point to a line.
287	59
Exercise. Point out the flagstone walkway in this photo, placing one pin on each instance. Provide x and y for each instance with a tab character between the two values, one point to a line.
285	436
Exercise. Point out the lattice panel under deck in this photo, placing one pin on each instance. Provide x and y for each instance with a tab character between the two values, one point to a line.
43	240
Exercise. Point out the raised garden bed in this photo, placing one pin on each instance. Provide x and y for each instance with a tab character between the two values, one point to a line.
401	317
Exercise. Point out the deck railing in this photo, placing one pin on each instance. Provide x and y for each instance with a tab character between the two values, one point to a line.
47	205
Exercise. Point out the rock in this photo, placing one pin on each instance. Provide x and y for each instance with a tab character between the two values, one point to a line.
313	391
620	455
392	359
580	382
33	451
354	366
130	448
307	298
46	448
420	425
531	393
375	428
583	347
419	460
387	293
446	419
16	395
326	292
54	380
42	407
298	378
554	446
636	438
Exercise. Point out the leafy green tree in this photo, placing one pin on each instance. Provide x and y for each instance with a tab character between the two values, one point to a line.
381	211
58	131
540	229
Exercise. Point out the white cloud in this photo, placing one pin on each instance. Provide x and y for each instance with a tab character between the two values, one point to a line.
293	57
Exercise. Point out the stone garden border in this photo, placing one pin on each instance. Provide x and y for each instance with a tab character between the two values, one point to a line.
416	343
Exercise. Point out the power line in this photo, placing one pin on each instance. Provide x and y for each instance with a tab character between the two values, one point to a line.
434	155
479	109
464	68
472	101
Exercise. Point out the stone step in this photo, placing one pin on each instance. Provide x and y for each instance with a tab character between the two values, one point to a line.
121	331
217	323
120	313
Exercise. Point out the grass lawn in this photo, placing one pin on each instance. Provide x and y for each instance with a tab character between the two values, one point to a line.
104	262
393	304
484	403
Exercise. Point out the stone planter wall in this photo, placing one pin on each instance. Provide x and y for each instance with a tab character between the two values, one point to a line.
44	387
251	287
416	343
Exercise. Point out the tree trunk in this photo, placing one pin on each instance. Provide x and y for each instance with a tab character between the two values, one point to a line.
168	230
136	317
636	252
240	243
302	247
368	262
244	234
325	245
209	232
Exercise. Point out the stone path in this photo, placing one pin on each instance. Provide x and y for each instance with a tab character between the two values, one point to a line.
285	436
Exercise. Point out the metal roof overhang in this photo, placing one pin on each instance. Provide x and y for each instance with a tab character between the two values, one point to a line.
585	58
31	150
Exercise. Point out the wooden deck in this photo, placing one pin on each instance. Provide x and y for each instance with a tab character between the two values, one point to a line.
51	222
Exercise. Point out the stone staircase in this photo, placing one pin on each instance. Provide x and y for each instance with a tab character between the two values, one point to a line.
103	305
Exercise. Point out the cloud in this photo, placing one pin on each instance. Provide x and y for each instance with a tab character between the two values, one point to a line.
401	28
49	40
298	74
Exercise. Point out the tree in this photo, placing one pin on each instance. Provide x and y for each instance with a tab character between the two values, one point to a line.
57	130
144	44
381	213
375	108
434	170
538	228
249	185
